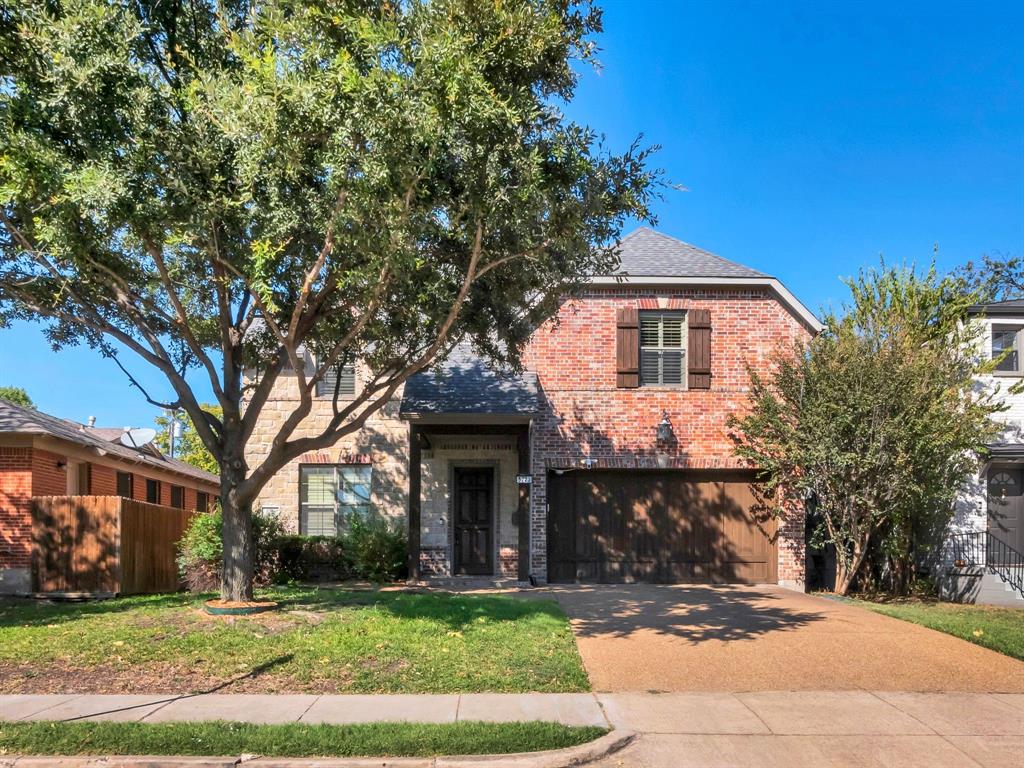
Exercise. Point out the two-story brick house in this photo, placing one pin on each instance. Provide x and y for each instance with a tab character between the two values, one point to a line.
607	459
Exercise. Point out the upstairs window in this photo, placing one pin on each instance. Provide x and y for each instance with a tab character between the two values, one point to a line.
343	377
329	493
662	348
1006	341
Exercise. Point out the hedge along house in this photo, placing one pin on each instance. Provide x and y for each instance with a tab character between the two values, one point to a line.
607	459
43	455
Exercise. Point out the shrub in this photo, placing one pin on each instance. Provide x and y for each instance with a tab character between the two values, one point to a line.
376	548
312	558
200	552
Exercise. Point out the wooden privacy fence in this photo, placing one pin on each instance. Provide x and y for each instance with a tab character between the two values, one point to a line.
97	544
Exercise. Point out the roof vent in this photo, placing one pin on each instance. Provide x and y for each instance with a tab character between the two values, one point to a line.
92	421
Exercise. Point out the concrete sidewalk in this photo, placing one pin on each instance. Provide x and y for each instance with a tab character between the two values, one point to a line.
565	708
796	729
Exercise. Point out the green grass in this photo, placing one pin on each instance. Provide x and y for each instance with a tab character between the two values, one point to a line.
320	640
293	740
1001	629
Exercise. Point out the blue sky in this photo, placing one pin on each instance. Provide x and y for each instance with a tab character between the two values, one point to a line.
810	136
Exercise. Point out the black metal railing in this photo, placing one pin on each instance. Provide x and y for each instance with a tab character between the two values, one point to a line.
983	550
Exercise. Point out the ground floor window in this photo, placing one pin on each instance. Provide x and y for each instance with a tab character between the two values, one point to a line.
329	493
125	486
152	491
177	497
202	501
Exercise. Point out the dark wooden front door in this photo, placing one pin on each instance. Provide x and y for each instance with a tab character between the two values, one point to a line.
474	520
1006	508
657	526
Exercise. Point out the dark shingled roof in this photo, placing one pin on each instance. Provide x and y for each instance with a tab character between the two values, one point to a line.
1008	307
464	384
646	253
18	420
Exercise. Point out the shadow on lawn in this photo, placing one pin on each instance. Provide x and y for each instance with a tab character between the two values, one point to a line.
250	675
31	612
451	610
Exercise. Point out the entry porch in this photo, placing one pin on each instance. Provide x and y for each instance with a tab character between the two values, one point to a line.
469	500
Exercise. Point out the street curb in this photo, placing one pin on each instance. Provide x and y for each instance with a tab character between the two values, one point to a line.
556	758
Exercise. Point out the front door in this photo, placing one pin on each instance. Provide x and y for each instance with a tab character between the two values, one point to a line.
1006	508
474	520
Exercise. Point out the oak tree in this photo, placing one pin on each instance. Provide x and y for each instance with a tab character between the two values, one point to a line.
283	187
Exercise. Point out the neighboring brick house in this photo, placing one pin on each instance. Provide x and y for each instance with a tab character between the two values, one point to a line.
42	455
607	459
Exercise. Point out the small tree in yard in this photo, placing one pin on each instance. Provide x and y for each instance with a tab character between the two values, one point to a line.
877	418
229	187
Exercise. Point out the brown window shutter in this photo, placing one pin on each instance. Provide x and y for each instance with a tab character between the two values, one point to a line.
627	347
699	351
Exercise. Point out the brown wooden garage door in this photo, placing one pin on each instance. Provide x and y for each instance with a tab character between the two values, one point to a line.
656	526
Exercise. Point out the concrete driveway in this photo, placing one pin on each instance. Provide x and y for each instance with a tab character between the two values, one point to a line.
641	637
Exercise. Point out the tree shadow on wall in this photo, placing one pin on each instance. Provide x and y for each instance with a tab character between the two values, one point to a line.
634	520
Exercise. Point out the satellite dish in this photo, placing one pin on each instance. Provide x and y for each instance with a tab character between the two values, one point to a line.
136	438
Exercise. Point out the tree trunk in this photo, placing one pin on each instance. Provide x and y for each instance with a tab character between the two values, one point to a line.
844	578
237	539
846	571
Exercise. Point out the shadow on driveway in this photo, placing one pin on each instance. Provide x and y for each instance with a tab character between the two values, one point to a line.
646	637
695	613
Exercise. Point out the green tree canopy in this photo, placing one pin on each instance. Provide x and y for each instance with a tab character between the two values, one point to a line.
876	420
16	395
228	187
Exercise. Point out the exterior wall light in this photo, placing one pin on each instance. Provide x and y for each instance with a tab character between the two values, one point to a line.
665	434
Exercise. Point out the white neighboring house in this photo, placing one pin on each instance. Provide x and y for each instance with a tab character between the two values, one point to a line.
984	554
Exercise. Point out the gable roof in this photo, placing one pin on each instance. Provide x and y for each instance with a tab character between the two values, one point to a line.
464	384
649	258
996	308
645	252
19	420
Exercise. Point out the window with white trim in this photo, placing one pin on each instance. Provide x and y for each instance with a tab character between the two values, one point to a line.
1006	341
662	348
329	494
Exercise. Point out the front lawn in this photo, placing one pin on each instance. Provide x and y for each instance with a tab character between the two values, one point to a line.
1001	629
319	641
293	740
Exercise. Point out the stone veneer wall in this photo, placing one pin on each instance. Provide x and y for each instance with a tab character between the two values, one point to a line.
446	453
383	442
585	416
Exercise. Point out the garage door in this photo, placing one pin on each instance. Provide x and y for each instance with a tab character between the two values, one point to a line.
657	526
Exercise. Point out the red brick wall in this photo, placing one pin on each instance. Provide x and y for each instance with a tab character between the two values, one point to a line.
102	480
27	472
15	512
584	414
47	478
